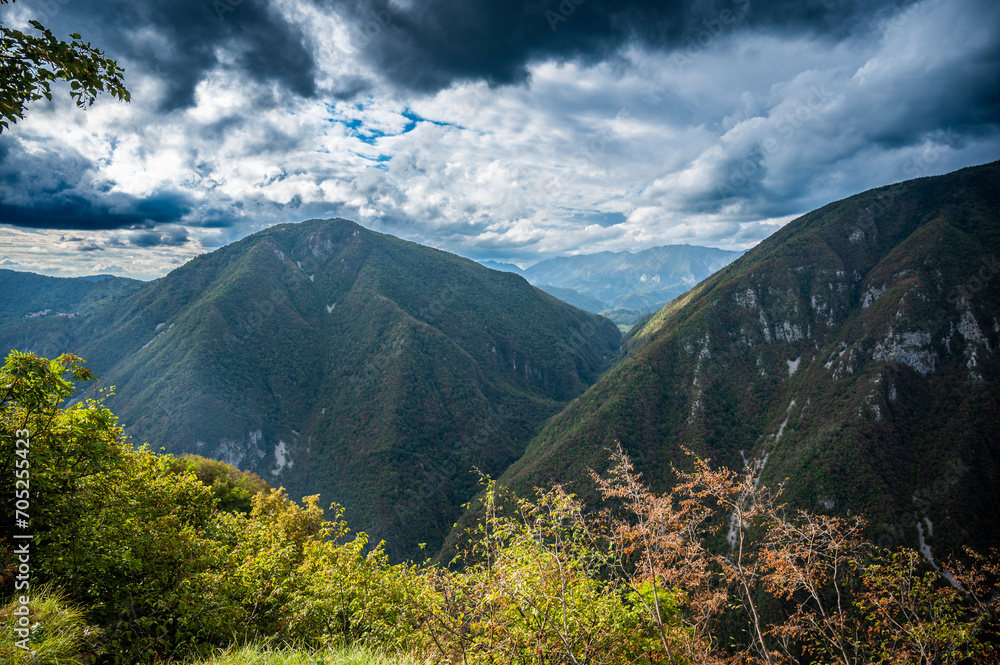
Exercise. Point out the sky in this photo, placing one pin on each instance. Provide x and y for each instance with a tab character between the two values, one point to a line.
510	131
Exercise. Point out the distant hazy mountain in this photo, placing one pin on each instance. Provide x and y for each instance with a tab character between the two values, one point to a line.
854	353
621	285
503	267
575	298
334	360
624	286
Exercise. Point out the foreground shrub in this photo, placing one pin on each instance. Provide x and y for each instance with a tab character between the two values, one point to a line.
351	595
292	575
536	589
232	488
138	541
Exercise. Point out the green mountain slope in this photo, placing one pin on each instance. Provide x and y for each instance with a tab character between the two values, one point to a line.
334	360
853	353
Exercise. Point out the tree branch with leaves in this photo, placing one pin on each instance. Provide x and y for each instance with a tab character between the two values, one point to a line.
30	63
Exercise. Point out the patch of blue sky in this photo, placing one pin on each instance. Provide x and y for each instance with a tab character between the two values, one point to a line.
379	161
369	135
414	119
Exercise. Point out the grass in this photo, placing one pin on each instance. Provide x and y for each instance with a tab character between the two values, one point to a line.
57	629
262	655
59	634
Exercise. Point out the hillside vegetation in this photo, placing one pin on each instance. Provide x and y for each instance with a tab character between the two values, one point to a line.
36	296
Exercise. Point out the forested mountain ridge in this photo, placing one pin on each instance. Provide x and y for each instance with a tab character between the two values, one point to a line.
335	360
28	295
852	353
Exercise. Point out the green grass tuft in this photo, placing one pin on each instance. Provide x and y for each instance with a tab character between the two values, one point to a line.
58	631
265	655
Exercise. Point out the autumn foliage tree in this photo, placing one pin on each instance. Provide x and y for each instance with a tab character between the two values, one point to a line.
660	553
813	561
809	587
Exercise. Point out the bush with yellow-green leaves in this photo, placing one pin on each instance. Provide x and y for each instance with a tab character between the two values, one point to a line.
138	543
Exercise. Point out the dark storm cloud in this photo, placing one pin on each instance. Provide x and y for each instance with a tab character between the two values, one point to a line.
181	40
429	44
52	190
66	210
170	237
81	244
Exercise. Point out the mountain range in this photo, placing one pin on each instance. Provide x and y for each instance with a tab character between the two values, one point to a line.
334	360
624	286
851	357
